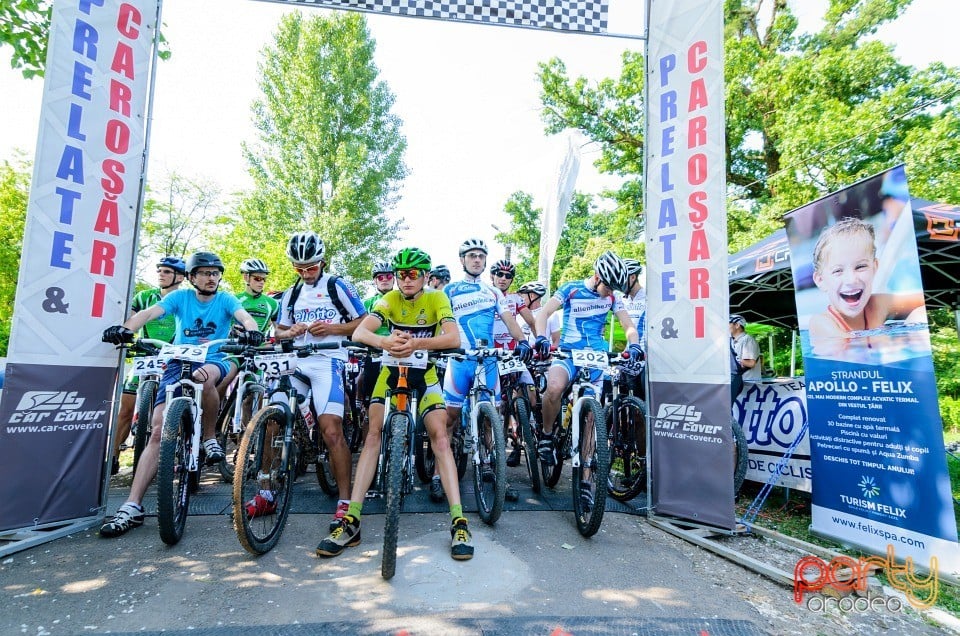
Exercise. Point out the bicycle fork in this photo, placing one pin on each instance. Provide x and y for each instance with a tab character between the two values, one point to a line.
191	390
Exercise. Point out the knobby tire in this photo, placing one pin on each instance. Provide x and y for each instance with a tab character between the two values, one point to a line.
627	436
173	478
491	445
145	401
593	469
398	453
521	410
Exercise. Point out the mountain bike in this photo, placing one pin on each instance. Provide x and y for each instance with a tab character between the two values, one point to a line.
515	404
178	472
480	437
273	446
626	422
244	398
578	437
148	367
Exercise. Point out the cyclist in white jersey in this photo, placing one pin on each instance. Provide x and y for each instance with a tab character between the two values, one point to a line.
532	293
635	302
585	305
308	314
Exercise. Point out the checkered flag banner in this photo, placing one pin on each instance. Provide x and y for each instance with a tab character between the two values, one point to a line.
584	16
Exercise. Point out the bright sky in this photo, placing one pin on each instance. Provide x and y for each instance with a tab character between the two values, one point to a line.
467	95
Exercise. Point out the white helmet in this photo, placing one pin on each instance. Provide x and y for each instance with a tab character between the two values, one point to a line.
473	244
305	248
533	287
254	266
612	271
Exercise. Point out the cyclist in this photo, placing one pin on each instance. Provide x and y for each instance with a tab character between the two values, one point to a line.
418	318
502	274
170	274
321	307
532	294
439	277
264	308
475	306
585	304
202	314
383	279
635	302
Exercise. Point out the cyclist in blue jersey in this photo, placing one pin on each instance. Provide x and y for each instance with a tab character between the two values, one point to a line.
585	304
475	306
202	314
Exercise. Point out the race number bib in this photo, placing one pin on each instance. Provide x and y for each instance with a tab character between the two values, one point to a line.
510	365
276	364
417	360
147	365
590	359
185	352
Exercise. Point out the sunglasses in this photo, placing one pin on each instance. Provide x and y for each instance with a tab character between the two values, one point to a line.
307	269
408	274
504	275
382	278
259	279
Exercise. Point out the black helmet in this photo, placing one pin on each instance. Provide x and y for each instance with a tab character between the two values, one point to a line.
204	259
503	266
441	273
174	263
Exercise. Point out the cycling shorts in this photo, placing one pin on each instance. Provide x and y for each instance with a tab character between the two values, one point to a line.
596	375
325	377
425	384
459	378
171	375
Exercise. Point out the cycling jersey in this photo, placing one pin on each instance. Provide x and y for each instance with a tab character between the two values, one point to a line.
162	328
264	309
314	304
501	335
637	308
553	325
384	328
475	304
584	316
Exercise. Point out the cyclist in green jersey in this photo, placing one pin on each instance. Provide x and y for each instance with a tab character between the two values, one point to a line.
264	308
419	318
170	274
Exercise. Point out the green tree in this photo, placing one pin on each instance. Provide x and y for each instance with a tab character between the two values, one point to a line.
330	153
14	193
25	27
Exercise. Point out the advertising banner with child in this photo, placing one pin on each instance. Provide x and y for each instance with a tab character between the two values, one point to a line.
877	456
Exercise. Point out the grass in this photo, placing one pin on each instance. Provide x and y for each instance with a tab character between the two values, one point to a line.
788	512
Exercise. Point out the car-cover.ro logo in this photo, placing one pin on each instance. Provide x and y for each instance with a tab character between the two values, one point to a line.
36	406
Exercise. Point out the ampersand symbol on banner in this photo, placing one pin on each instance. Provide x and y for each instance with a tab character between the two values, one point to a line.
53	303
668	332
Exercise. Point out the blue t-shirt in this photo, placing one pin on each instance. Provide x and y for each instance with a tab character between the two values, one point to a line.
475	304
584	316
199	322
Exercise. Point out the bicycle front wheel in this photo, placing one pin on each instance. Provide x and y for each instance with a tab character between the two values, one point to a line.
398	426
490	470
521	409
257	518
590	477
627	436
145	401
173	476
230	441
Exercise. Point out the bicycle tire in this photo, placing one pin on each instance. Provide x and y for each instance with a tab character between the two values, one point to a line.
230	441
259	534
551	474
492	451
328	483
423	457
521	411
627	437
146	398
597	460
741	454
394	500
173	478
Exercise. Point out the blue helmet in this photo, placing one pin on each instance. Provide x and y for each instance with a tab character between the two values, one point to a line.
174	263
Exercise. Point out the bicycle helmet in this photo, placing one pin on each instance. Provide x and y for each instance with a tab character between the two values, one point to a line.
612	271
305	248
254	266
411	258
473	244
174	263
204	259
503	266
633	266
534	287
737	319
441	272
381	267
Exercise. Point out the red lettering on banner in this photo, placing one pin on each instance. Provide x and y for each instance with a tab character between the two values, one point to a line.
120	95
697	169
697	57
102	258
123	61
108	219
699	245
698	95
697	132
117	137
127	17
699	322
112	181
99	293
698	211
699	283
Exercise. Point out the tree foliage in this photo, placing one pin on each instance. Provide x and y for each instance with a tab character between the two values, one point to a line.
14	193
24	27
330	154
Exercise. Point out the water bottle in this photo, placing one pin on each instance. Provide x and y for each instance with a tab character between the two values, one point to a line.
307	414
